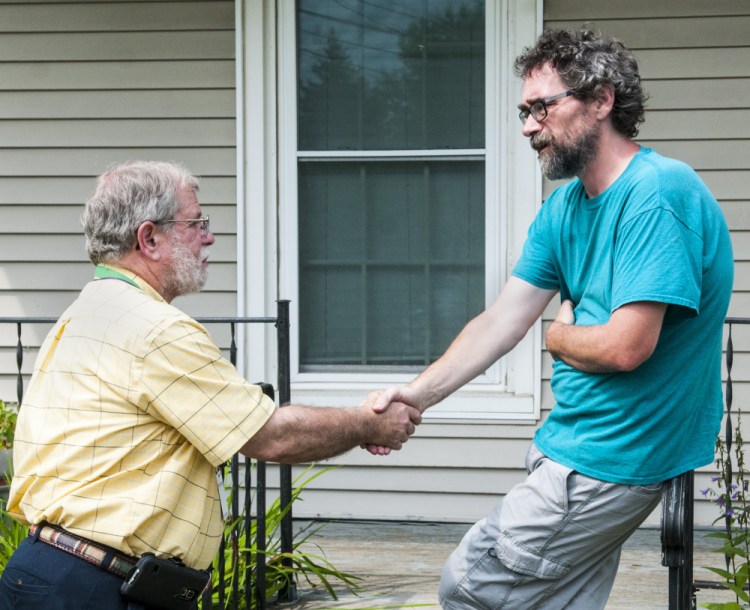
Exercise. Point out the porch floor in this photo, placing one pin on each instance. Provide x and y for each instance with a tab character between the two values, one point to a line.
400	565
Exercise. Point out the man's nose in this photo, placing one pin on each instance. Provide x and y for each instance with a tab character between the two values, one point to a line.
531	126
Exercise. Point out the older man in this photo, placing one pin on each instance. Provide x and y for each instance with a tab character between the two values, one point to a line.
640	253
132	407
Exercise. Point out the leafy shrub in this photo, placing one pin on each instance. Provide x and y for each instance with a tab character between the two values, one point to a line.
8	417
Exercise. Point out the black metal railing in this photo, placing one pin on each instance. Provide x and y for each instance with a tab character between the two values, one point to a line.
677	528
250	596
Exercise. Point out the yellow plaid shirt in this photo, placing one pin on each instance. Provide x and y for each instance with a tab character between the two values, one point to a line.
130	409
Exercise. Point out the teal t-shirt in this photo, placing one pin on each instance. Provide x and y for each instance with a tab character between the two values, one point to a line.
656	234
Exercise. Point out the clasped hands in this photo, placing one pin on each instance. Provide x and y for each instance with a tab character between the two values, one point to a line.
384	402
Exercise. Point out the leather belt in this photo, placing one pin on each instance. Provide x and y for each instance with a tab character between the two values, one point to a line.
99	555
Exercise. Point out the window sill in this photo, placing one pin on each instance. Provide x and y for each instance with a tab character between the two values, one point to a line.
479	400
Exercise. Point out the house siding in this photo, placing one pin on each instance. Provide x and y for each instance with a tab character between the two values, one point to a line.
89	84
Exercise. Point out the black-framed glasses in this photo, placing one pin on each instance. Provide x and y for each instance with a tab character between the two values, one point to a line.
203	222
538	109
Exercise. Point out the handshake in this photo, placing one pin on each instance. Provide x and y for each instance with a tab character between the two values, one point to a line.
396	412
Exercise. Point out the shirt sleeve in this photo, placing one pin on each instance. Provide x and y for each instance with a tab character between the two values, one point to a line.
538	264
657	258
189	385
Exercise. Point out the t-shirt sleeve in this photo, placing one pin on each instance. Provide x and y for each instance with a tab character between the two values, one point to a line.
538	265
657	258
188	384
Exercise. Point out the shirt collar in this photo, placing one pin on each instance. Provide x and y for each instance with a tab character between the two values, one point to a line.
105	271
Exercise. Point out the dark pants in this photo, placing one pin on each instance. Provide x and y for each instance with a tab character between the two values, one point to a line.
40	576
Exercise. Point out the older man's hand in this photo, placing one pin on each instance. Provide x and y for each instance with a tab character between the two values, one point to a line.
393	423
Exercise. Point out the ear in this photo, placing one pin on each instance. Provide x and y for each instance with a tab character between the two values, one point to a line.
149	240
605	102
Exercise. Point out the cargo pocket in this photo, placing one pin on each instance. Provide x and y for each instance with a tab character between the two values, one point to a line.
529	562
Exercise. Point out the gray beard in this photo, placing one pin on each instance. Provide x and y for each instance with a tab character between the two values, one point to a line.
563	162
187	275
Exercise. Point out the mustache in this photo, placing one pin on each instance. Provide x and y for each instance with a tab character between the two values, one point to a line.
540	140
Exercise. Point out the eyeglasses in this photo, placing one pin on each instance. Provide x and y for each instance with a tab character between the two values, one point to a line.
538	109
203	221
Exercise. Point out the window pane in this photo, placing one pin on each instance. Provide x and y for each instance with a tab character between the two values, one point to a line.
391	75
391	259
330	330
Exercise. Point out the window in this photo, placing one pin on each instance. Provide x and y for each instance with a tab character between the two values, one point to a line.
402	194
391	175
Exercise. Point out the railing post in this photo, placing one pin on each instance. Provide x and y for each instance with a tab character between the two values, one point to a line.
260	533
728	438
677	540
19	364
289	593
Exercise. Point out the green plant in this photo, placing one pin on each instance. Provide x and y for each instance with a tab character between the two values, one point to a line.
12	532
282	569
8	417
732	496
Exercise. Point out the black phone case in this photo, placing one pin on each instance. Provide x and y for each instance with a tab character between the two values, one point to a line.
164	583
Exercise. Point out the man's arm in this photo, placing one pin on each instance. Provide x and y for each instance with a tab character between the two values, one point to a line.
296	433
625	342
485	339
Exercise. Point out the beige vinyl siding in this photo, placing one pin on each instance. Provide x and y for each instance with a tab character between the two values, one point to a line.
694	61
89	84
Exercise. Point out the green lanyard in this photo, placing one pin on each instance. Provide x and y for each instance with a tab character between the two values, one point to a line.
102	273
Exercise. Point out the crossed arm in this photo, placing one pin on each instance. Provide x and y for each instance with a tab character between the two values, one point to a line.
622	344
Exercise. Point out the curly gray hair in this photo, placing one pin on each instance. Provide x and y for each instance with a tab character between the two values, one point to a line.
125	197
587	61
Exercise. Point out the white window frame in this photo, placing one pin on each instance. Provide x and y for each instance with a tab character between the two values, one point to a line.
267	202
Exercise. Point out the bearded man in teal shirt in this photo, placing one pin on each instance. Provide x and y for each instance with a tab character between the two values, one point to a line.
639	251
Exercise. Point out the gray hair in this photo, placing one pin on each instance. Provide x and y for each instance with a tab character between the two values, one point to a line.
125	197
587	61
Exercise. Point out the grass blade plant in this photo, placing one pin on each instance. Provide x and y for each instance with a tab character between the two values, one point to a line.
12	532
281	569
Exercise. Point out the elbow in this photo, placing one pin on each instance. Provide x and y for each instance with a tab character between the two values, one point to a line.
267	454
628	360
264	454
266	448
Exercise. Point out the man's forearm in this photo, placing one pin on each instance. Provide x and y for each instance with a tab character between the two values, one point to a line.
582	347
621	344
297	434
484	340
490	335
468	356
